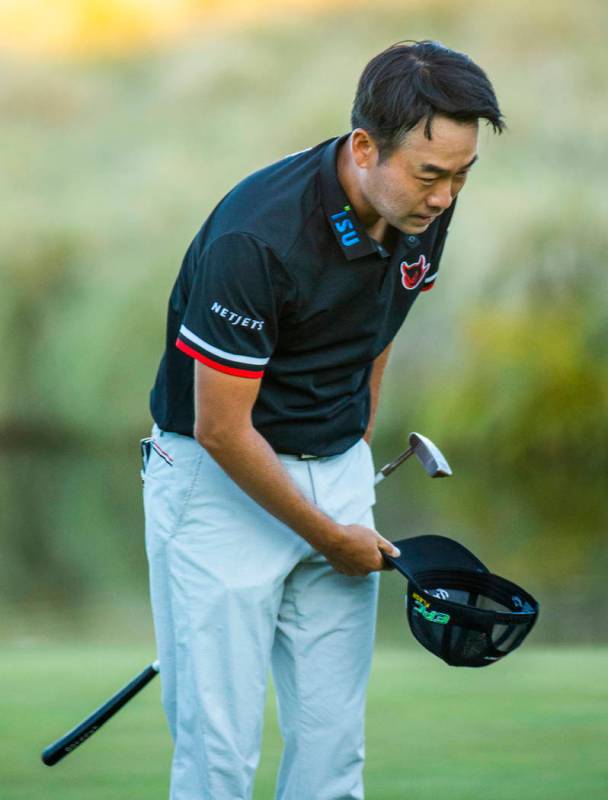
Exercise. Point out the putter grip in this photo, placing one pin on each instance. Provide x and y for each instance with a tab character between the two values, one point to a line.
74	738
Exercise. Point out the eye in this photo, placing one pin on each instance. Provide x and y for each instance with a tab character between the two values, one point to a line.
427	181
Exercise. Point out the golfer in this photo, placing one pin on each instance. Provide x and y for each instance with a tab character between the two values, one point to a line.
259	488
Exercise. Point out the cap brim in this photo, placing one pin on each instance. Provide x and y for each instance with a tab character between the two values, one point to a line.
422	553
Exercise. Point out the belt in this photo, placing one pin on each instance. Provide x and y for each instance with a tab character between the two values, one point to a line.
300	456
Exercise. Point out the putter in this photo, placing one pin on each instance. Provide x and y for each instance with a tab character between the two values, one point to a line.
435	465
430	456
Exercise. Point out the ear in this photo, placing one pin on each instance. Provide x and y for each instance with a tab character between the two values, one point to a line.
363	148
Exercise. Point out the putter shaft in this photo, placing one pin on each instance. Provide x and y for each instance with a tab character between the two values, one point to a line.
392	465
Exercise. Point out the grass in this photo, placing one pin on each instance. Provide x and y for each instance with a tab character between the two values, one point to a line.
533	727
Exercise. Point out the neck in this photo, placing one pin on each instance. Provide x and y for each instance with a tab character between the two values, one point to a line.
348	176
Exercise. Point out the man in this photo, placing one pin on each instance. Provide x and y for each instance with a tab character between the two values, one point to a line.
259	491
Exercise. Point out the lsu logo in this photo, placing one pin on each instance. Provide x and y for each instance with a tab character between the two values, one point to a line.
345	228
412	275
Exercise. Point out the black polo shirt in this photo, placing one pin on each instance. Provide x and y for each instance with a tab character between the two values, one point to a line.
282	283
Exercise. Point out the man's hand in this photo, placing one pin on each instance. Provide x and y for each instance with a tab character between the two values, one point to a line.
358	551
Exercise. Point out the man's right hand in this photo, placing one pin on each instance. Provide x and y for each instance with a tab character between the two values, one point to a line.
358	550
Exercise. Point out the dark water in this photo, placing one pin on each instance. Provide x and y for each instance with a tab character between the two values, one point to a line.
73	561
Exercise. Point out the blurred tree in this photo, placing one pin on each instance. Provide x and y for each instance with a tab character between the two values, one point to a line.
534	380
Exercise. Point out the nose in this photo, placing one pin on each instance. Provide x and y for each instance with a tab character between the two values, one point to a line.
441	197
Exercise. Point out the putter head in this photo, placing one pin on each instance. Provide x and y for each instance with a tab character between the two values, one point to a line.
430	456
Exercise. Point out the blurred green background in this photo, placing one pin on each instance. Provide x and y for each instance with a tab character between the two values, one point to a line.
114	148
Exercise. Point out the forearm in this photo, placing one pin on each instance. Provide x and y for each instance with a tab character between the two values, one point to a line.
223	426
375	382
252	463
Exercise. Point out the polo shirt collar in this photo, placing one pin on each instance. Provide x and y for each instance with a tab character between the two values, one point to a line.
347	227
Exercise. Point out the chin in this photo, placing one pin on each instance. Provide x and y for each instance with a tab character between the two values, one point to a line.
414	226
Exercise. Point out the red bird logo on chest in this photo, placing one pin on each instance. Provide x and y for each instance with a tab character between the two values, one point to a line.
412	275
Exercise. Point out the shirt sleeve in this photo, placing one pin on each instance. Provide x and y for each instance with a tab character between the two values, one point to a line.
444	226
230	322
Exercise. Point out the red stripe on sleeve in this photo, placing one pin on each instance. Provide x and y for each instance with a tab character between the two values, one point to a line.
241	373
427	287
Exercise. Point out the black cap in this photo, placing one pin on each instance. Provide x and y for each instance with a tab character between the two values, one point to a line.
456	607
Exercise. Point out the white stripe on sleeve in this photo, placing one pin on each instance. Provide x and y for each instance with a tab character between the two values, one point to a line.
221	353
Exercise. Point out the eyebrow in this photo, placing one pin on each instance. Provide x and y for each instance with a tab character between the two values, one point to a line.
440	171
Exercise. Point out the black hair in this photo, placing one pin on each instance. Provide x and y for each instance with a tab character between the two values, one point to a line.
410	81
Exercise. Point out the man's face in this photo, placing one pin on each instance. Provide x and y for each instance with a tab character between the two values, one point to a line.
421	178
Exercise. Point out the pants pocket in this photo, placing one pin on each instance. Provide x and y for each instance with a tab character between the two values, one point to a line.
145	449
